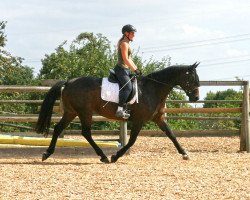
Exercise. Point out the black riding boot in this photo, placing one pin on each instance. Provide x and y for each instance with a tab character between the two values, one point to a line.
122	112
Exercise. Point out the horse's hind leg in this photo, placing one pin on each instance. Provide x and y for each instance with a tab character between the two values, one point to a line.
86	132
64	122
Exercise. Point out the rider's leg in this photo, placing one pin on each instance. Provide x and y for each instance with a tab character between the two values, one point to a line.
126	88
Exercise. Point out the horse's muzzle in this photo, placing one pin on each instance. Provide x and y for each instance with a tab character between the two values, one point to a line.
194	96
193	99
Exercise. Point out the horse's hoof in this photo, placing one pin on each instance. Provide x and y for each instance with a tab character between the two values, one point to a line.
185	157
104	160
45	156
113	159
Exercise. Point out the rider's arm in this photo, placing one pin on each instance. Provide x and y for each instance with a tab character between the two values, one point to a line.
127	61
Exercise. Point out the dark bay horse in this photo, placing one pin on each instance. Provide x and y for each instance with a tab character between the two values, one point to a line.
82	96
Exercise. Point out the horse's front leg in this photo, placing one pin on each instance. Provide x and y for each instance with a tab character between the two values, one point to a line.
164	127
133	136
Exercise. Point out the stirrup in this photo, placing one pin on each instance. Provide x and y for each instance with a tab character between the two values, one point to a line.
123	114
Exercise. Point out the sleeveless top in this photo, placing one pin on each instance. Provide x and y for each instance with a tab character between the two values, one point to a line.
120	59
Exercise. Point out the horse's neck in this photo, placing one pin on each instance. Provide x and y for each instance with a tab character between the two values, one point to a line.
156	90
168	76
161	83
163	91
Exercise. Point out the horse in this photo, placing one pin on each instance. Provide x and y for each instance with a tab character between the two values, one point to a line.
82	97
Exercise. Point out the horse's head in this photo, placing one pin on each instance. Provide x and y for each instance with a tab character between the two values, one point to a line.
189	82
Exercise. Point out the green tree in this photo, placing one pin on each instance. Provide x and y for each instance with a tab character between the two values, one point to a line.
12	72
229	94
88	54
2	35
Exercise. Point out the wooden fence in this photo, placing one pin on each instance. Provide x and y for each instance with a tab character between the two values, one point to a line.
244	110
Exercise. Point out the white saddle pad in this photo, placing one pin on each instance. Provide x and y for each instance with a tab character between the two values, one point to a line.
110	92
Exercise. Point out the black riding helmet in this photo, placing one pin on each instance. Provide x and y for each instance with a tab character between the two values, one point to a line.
128	28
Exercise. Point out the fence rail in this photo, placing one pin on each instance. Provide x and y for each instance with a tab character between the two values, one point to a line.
243	109
202	110
33	118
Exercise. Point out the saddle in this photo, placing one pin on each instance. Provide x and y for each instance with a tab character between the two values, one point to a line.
111	87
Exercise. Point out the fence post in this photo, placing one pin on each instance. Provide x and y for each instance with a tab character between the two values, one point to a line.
123	133
245	135
248	119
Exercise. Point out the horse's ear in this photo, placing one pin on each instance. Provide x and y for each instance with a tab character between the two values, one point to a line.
195	64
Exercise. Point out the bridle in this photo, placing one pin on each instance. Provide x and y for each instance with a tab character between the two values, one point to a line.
187	85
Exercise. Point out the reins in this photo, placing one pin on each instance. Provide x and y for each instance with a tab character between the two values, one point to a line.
155	80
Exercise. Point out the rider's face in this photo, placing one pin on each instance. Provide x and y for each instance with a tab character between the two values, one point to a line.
130	35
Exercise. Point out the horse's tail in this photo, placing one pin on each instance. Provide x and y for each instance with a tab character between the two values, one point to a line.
45	114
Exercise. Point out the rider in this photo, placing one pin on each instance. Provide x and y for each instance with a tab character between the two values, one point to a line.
124	65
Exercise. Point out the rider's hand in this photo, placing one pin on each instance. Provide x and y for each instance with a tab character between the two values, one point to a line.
138	72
